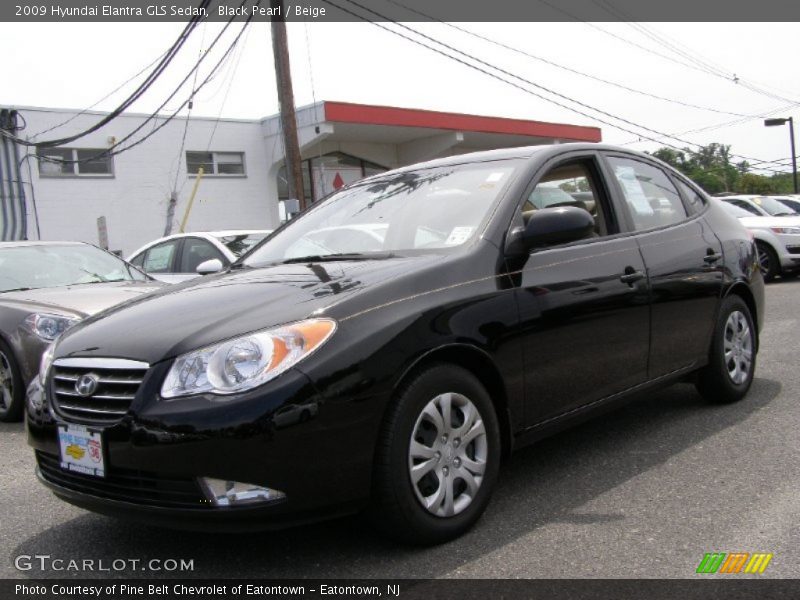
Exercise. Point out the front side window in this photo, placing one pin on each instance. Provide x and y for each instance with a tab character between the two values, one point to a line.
215	163
409	211
652	199
74	162
197	251
570	184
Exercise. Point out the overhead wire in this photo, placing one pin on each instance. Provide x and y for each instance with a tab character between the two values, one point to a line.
515	76
111	150
133	97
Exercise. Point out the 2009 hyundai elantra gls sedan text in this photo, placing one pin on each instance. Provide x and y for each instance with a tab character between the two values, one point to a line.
393	373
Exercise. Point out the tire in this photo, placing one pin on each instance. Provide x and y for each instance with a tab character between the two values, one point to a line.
768	261
447	463
12	391
726	379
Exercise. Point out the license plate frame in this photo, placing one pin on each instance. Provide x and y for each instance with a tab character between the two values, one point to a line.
81	449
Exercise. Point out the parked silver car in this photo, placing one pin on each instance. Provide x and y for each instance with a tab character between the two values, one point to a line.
777	240
46	287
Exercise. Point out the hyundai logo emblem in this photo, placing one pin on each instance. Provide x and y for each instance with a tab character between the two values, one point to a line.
86	384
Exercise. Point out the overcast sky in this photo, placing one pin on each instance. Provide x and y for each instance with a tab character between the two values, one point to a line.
74	65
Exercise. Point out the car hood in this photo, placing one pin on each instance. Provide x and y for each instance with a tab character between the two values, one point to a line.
203	311
767	222
80	300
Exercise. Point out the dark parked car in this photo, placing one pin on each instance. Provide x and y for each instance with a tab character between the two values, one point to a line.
483	323
46	287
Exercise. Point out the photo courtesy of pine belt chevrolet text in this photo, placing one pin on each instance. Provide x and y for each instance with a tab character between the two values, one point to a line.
387	349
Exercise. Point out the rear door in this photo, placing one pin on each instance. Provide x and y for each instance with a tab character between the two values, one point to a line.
683	259
583	306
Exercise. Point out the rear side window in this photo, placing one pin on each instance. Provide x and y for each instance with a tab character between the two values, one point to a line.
692	197
746	206
652	199
159	258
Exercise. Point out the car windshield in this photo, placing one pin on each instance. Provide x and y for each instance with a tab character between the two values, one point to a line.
53	265
773	207
433	209
241	243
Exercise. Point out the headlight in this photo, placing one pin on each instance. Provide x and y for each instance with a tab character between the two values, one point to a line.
48	327
245	362
792	230
44	365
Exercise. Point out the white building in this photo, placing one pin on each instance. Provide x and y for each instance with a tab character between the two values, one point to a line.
243	180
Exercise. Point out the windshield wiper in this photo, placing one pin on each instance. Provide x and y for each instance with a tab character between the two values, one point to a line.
335	257
100	278
19	289
785	214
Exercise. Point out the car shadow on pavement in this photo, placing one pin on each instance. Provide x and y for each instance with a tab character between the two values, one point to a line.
548	482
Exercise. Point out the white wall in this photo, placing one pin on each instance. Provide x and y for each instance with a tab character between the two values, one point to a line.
135	200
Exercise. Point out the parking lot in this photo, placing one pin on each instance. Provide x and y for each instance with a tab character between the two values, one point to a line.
642	492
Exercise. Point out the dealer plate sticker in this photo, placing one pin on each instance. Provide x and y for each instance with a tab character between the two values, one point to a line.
81	450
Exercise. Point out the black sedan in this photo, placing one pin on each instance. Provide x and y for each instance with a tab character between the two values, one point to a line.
392	371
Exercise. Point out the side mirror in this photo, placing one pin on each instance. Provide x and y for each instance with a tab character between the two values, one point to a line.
549	226
213	265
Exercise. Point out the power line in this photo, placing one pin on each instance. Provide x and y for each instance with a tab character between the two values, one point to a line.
572	70
111	150
528	82
140	90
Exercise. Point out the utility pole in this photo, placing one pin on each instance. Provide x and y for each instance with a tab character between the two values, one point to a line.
283	77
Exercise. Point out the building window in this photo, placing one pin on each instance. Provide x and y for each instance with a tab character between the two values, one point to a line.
215	163
89	162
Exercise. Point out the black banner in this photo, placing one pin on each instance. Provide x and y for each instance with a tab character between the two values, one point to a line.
331	11
732	588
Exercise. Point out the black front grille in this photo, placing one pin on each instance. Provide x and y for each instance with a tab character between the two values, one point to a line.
116	385
127	485
793	249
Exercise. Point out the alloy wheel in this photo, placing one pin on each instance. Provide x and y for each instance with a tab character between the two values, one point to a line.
764	261
738	347
447	454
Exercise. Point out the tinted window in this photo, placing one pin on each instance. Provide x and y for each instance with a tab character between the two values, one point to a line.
137	260
746	206
692	197
159	258
571	184
651	197
196	251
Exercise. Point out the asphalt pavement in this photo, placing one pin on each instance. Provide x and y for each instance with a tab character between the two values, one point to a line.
645	491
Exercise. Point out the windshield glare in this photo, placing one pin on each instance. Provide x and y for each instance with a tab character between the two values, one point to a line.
32	267
426	210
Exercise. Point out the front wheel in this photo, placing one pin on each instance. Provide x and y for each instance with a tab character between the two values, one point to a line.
732	360
437	459
12	393
768	261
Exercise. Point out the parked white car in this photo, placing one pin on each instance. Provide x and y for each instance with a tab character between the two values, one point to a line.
760	206
777	239
182	256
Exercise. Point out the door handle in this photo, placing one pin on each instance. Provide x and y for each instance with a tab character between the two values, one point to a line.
631	276
712	257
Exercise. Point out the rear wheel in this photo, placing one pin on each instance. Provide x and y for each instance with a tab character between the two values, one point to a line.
437	459
732	360
12	393
768	261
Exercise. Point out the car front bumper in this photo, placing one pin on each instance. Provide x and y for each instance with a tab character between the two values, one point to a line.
158	454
